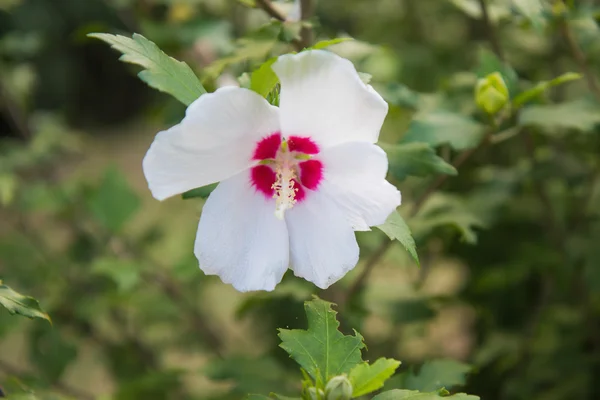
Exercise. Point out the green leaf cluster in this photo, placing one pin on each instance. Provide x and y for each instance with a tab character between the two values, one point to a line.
327	357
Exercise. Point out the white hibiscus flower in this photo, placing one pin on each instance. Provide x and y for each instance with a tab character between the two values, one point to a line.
296	180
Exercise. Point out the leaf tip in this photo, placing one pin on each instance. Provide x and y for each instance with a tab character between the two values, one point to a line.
415	257
98	35
452	170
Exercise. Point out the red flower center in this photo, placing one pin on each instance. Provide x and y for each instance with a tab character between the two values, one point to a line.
287	168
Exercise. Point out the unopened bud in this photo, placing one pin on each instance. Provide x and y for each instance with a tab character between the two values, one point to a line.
491	93
338	388
559	9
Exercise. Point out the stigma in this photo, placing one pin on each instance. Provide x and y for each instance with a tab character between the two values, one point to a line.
284	187
285	192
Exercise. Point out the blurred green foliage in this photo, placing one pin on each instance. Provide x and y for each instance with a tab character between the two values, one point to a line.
503	201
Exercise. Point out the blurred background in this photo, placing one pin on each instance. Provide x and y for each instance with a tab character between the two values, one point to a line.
505	304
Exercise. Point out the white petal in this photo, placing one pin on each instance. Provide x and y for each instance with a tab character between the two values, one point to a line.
240	239
214	141
354	178
323	97
323	247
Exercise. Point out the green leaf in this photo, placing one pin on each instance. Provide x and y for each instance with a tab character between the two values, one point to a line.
490	63
445	127
322	350
415	159
437	374
257	397
326	43
16	303
446	210
396	229
367	378
247	49
401	394
161	72
541	87
125	273
114	202
253	47
202	192
263	80
581	115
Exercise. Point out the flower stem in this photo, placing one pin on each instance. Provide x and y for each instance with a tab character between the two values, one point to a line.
268	7
307	9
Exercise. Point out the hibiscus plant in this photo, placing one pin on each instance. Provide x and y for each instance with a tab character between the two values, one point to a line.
283	157
297	176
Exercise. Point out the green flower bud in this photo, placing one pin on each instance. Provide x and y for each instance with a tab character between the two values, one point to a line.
491	93
338	388
559	9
